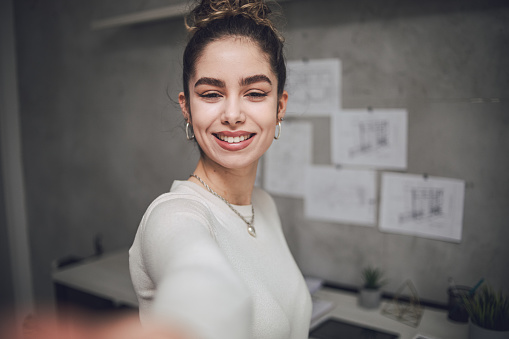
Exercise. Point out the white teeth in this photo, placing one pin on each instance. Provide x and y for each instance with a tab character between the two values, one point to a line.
232	140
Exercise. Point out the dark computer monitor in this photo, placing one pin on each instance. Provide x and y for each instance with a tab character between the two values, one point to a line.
334	328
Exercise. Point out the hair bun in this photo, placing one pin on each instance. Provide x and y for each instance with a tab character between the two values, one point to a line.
209	10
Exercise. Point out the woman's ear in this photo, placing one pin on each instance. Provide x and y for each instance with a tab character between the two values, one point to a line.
281	105
184	107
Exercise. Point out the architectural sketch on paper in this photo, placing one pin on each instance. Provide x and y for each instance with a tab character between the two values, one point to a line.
340	195
372	136
430	207
287	158
424	204
313	87
335	196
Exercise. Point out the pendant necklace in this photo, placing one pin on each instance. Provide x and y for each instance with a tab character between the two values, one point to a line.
250	224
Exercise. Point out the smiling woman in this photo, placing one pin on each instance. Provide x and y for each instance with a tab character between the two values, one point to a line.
210	256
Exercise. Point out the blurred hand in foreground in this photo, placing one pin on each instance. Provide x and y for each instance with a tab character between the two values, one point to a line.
49	327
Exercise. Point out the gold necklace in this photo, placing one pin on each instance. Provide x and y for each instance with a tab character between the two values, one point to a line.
250	224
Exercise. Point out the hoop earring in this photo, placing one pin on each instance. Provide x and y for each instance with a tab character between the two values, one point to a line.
278	130
188	134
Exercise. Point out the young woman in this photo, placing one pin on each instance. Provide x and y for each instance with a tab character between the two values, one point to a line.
210	256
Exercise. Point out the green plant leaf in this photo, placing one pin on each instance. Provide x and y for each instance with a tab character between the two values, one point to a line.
488	309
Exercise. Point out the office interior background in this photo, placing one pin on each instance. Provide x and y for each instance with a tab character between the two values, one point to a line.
101	135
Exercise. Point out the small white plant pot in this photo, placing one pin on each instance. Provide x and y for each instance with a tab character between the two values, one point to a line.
369	298
477	332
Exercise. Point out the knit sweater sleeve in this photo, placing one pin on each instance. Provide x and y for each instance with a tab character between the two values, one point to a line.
176	262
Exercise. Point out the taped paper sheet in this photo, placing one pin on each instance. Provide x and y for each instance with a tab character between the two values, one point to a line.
375	138
287	158
340	195
428	207
314	87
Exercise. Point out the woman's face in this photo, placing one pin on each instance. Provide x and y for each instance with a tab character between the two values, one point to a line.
233	103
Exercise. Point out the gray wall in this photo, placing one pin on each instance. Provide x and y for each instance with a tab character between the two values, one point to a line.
9	150
102	135
431	58
6	288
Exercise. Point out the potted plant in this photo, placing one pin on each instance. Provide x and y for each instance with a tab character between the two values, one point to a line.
489	314
370	293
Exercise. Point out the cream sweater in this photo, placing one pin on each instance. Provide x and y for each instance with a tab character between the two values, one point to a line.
194	265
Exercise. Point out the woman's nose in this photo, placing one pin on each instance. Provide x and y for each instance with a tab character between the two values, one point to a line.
233	113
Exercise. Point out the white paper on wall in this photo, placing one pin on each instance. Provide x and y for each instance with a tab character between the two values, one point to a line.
374	138
287	158
314	87
340	195
429	207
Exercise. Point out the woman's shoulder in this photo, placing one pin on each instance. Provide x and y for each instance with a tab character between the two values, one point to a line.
181	197
182	205
170	204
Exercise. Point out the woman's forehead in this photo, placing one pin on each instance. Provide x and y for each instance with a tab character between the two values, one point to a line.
233	55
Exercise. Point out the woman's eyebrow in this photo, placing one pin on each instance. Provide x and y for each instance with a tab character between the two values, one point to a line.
254	79
210	81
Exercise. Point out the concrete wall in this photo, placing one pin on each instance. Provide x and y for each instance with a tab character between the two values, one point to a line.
102	135
16	282
6	288
431	58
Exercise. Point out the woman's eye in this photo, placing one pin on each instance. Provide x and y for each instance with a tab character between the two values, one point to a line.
256	95
210	95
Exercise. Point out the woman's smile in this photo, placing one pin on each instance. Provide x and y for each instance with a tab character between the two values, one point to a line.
236	138
234	141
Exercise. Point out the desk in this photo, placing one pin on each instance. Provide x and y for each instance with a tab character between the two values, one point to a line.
108	277
434	323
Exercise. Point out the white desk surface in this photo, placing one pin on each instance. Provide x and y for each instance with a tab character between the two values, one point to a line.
434	323
108	277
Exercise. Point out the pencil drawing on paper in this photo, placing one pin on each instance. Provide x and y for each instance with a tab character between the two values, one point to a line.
284	168
423	204
374	138
340	195
372	135
314	87
335	196
430	207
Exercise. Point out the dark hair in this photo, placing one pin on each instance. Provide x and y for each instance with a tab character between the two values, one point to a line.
212	20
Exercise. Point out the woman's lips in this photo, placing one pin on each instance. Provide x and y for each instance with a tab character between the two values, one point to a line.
234	141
